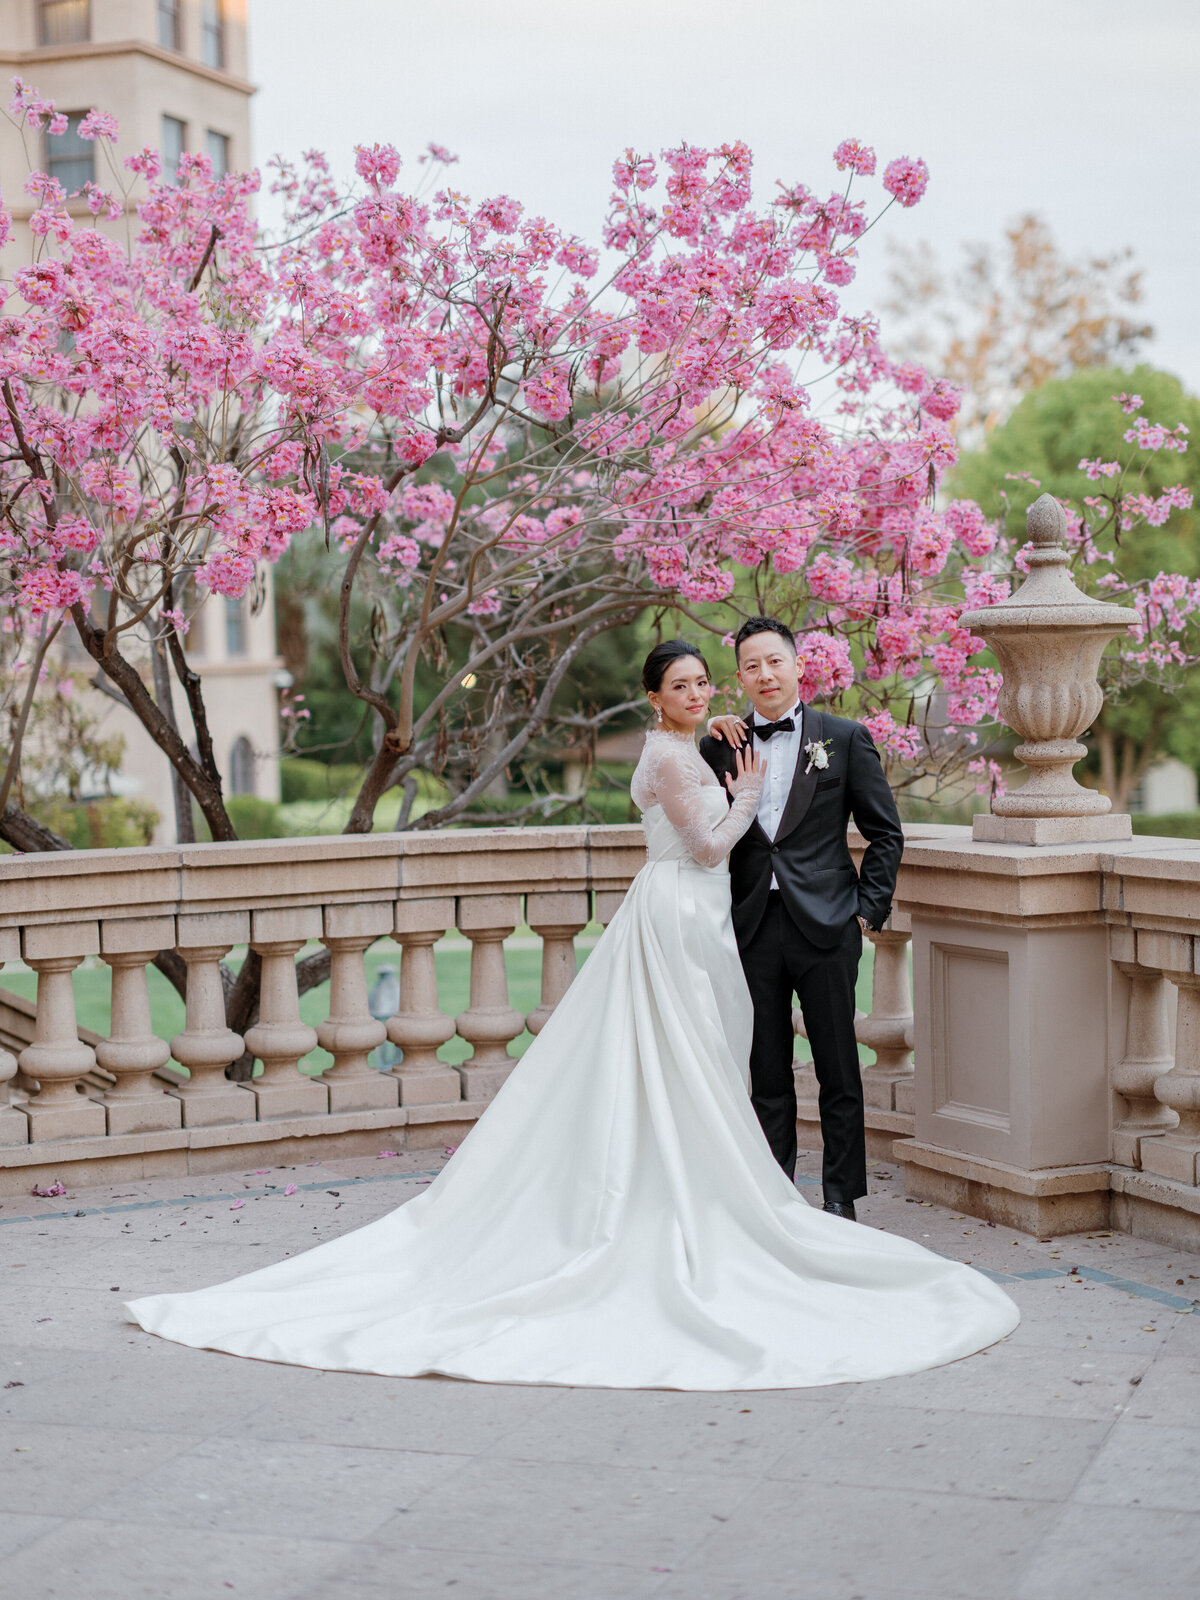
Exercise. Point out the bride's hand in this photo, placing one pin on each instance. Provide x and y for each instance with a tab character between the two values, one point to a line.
747	776
732	729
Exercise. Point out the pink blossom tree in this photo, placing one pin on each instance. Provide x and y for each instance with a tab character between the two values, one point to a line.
514	440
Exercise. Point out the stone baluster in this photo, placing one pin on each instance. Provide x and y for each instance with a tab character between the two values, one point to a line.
1147	1056
489	1023
1176	1153
556	919
279	1038
606	904
419	1027
58	1058
888	1029
350	1032
132	1052
14	1127
207	1044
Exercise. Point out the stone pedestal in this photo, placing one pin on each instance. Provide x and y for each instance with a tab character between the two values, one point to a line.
1051	830
1012	1093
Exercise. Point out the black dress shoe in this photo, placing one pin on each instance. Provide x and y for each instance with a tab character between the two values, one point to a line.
840	1208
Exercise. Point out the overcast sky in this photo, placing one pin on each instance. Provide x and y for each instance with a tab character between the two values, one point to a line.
1082	110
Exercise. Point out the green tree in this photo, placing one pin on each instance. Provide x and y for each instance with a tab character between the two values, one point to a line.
1040	447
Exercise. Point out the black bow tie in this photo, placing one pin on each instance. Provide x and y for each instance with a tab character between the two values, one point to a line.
764	730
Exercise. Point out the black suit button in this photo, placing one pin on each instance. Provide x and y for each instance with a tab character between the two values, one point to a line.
774	849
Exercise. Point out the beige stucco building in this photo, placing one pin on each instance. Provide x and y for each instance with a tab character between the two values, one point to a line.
174	73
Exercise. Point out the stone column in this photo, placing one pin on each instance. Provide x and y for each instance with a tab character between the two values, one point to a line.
888	1029
1147	1056
207	1044
279	1038
490	1022
57	1058
556	919
419	1027
138	1103
350	1032
1176	1153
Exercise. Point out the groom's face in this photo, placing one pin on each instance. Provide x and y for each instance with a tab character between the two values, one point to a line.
767	671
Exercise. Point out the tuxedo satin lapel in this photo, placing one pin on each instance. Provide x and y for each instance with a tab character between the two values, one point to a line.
804	784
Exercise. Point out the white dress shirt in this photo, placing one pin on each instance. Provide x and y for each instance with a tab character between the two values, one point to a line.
781	752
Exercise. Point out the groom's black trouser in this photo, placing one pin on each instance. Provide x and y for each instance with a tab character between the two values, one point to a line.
778	960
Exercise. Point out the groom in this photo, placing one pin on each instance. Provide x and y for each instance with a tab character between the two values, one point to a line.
799	907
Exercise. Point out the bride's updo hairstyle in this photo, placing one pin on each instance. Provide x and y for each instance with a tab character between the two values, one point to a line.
660	659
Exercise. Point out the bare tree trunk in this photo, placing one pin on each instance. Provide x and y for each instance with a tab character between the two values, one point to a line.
185	828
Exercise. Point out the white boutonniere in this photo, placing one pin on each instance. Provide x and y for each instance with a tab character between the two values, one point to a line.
817	752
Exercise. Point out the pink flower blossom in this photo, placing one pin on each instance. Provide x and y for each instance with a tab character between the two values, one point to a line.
41	590
99	125
548	393
379	164
991	776
906	180
858	157
229	575
825	665
900	740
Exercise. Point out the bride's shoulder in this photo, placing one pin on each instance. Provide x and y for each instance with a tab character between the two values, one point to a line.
663	750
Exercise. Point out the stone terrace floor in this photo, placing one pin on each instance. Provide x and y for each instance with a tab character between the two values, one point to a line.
1064	1463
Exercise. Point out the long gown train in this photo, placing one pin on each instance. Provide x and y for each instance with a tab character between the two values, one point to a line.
616	1218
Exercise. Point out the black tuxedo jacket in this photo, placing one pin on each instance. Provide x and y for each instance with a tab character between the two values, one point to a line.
809	855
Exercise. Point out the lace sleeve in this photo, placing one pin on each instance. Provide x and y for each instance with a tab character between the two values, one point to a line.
671	776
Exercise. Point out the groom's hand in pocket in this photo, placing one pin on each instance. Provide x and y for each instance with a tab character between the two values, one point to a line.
732	729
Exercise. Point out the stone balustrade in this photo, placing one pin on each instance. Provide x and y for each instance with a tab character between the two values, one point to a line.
132	1104
1042	1070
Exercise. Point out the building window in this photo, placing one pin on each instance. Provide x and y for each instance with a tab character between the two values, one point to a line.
65	21
242	766
69	158
235	627
174	140
212	33
169	30
218	153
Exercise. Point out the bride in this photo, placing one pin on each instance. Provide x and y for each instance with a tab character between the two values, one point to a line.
616	1219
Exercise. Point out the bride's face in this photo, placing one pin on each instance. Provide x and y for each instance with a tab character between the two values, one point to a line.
683	695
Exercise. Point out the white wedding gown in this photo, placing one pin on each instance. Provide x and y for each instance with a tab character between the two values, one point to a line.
616	1218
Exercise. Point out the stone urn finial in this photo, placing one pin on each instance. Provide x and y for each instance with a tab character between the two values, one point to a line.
1048	639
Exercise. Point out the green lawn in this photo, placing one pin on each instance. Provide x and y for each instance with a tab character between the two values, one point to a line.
453	957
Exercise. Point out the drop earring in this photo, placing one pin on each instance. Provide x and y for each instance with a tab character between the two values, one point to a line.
658	712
